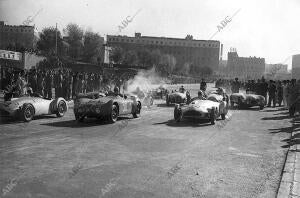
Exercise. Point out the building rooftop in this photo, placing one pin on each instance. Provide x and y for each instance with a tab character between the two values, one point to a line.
138	35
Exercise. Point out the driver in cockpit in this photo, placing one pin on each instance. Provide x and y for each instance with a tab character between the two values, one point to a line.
201	96
181	89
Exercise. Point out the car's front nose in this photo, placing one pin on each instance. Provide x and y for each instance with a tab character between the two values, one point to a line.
9	109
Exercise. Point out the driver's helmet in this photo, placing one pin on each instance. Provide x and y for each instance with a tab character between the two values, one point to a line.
220	91
29	91
116	90
181	89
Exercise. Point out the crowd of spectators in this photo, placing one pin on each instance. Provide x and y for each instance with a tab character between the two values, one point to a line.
58	82
276	92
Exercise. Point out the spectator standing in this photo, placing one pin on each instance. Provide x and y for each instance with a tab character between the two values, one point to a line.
40	83
203	85
272	94
264	88
235	86
279	93
21	83
49	84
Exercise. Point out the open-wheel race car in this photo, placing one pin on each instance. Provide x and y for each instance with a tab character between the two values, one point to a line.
108	107
247	100
178	98
27	107
201	110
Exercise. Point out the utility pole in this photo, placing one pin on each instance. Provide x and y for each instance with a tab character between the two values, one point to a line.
56	39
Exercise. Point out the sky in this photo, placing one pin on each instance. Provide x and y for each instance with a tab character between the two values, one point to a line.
261	28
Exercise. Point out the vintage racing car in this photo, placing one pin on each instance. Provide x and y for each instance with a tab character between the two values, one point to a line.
145	98
159	92
202	110
247	100
108	107
178	98
26	107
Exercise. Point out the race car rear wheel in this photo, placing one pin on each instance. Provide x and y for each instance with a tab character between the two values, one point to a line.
240	103
177	114
27	112
114	114
213	116
292	110
61	109
261	107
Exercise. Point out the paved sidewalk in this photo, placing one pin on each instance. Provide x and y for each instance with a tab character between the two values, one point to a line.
290	181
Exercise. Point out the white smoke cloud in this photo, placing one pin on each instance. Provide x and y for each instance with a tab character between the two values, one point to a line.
145	81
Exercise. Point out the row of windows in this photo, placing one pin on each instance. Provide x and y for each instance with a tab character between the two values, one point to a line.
16	30
163	42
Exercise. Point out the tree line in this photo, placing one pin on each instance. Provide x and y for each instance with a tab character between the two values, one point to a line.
164	64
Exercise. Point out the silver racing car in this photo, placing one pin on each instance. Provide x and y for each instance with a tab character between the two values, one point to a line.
27	107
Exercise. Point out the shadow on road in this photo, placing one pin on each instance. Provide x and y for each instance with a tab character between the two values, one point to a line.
277	118
89	122
272	110
165	105
295	139
10	120
185	123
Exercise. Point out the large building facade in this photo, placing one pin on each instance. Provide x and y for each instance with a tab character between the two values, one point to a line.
12	35
245	67
296	66
200	53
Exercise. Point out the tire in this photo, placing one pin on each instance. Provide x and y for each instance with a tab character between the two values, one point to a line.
138	110
212	117
177	114
61	108
232	104
292	111
151	101
27	112
261	107
113	117
223	116
240	104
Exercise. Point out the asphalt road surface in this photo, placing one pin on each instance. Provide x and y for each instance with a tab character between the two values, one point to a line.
151	156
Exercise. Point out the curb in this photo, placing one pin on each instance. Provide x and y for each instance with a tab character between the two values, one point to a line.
290	178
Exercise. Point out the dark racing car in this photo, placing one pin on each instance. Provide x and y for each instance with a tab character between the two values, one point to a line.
247	100
178	98
108	107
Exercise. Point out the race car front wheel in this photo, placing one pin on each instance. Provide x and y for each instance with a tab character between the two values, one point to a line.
138	110
61	109
27	112
213	116
114	114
